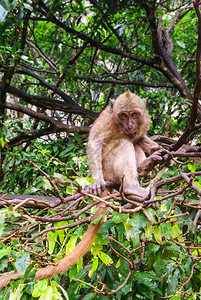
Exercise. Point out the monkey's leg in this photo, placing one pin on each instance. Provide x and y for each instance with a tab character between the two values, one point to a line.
121	162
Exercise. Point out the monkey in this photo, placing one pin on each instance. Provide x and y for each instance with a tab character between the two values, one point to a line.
116	147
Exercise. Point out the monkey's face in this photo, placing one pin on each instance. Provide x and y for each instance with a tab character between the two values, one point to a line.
130	121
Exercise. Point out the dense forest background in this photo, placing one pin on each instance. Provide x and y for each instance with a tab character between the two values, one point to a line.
60	63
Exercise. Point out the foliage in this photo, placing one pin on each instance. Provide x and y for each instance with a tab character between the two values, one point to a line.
61	159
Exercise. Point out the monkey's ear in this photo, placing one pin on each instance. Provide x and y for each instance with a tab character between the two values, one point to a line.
111	104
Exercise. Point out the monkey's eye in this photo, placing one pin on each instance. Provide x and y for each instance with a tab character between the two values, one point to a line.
134	115
123	116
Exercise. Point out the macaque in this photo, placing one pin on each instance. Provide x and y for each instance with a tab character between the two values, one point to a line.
116	149
117	145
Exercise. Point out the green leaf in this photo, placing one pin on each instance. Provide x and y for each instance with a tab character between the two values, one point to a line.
166	229
79	263
157	233
70	148
97	220
54	283
181	44
192	167
106	259
89	296
134	232
27	6
46	184
17	294
4	252
159	258
48	294
118	218
5	4
71	244
177	297
3	263
2	140
163	207
22	262
173	281
127	227
118	264
40	287
52	238
61	232
71	189
82	181
94	266
197	184
148	230
177	233
78	139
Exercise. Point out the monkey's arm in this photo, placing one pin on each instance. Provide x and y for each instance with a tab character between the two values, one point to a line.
98	134
159	155
148	146
149	162
95	164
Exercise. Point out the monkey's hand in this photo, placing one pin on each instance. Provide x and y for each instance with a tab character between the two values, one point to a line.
159	156
96	188
155	148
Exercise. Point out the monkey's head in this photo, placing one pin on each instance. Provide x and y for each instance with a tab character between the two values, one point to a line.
130	112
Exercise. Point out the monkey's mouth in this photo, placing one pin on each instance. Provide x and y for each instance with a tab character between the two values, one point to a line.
132	135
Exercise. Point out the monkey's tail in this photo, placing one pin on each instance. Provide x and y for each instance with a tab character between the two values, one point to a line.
5	278
68	261
81	248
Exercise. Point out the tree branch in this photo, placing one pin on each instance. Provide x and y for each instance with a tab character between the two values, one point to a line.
49	103
129	82
191	122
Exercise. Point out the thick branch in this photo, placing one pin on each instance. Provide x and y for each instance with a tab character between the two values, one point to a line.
64	96
49	103
59	126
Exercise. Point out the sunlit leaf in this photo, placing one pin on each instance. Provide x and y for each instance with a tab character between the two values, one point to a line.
105	258
157	233
52	238
40	287
71	244
94	266
17	293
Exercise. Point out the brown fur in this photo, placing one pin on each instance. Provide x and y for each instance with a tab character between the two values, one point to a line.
111	153
5	278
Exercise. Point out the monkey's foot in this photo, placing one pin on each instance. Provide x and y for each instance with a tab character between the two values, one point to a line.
96	188
136	191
